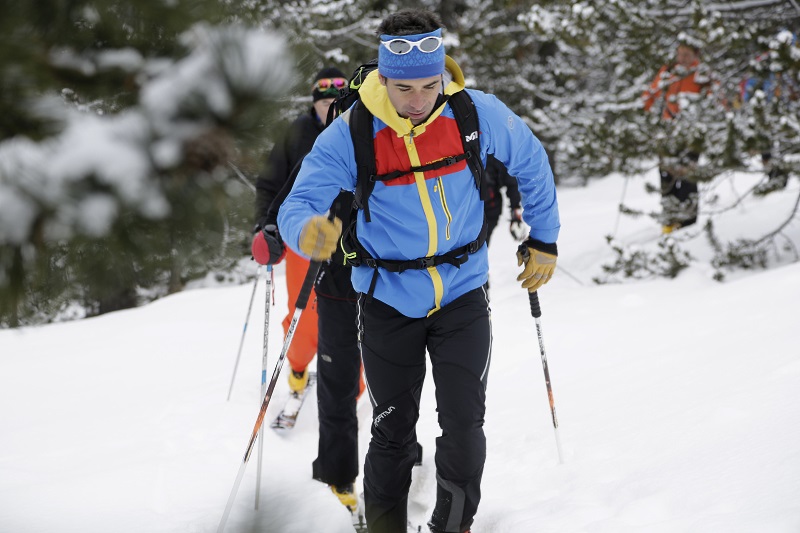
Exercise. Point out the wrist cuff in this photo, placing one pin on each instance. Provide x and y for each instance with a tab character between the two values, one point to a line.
546	247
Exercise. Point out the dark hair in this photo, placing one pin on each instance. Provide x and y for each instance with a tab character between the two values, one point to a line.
694	48
409	22
329	72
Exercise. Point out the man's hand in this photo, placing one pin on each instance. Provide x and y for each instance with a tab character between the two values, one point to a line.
319	237
517	228
267	247
539	264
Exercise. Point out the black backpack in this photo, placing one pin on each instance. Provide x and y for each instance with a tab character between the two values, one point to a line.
349	95
362	135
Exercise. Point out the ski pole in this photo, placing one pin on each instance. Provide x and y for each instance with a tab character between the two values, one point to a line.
242	177
263	381
302	299
536	312
621	204
244	331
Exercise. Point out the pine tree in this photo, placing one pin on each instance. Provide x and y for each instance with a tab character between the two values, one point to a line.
606	53
575	72
117	126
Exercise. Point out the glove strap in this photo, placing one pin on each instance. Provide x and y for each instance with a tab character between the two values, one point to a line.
539	246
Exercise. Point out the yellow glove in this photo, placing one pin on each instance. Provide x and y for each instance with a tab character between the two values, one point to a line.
320	237
539	267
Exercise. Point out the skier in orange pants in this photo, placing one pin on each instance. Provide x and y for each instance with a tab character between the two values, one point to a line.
304	343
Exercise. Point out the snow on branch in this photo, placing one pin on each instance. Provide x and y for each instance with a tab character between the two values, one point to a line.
79	180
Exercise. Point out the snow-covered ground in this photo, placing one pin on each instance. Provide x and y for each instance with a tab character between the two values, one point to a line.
678	402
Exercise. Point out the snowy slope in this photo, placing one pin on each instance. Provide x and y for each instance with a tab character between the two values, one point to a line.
677	402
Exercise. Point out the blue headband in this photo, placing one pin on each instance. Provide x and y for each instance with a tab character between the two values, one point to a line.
413	65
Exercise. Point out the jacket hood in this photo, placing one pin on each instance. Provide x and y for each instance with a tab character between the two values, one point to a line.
376	99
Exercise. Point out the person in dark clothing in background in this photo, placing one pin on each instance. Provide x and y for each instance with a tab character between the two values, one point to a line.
285	156
330	326
497	178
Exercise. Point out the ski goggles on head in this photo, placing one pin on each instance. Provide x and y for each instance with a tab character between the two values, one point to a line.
401	47
326	84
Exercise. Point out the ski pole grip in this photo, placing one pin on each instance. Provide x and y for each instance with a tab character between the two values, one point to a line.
536	310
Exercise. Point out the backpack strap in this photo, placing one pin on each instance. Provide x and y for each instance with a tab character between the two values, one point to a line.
364	148
467	119
358	255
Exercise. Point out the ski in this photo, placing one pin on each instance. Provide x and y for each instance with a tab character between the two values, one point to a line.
357	514
291	409
359	522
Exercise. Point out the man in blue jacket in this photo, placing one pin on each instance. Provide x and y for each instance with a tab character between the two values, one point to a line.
418	219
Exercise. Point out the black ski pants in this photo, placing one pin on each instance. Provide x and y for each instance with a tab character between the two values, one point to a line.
458	338
679	200
338	374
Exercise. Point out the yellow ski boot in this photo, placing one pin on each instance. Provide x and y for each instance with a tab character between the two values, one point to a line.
346	495
298	380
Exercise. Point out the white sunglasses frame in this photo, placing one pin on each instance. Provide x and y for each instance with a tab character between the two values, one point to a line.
413	44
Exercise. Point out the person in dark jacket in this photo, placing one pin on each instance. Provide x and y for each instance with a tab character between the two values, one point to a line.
285	156
330	321
497	178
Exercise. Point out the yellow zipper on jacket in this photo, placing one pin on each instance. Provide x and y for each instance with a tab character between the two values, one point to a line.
440	187
427	208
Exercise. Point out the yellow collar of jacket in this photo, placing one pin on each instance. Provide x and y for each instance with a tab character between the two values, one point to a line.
376	99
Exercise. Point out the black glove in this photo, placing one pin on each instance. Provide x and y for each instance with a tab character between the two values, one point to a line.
517	228
267	247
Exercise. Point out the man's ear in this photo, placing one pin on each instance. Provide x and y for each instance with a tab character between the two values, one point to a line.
382	79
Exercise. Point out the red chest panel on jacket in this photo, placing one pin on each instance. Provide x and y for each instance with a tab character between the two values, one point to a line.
441	139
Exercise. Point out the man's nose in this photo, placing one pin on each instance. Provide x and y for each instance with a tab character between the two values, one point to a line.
417	101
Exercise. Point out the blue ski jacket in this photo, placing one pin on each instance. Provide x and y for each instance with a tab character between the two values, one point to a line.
424	213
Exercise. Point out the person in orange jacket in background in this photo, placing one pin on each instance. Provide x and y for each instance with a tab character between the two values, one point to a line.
686	77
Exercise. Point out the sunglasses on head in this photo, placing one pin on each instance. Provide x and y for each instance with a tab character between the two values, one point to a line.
403	46
330	83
